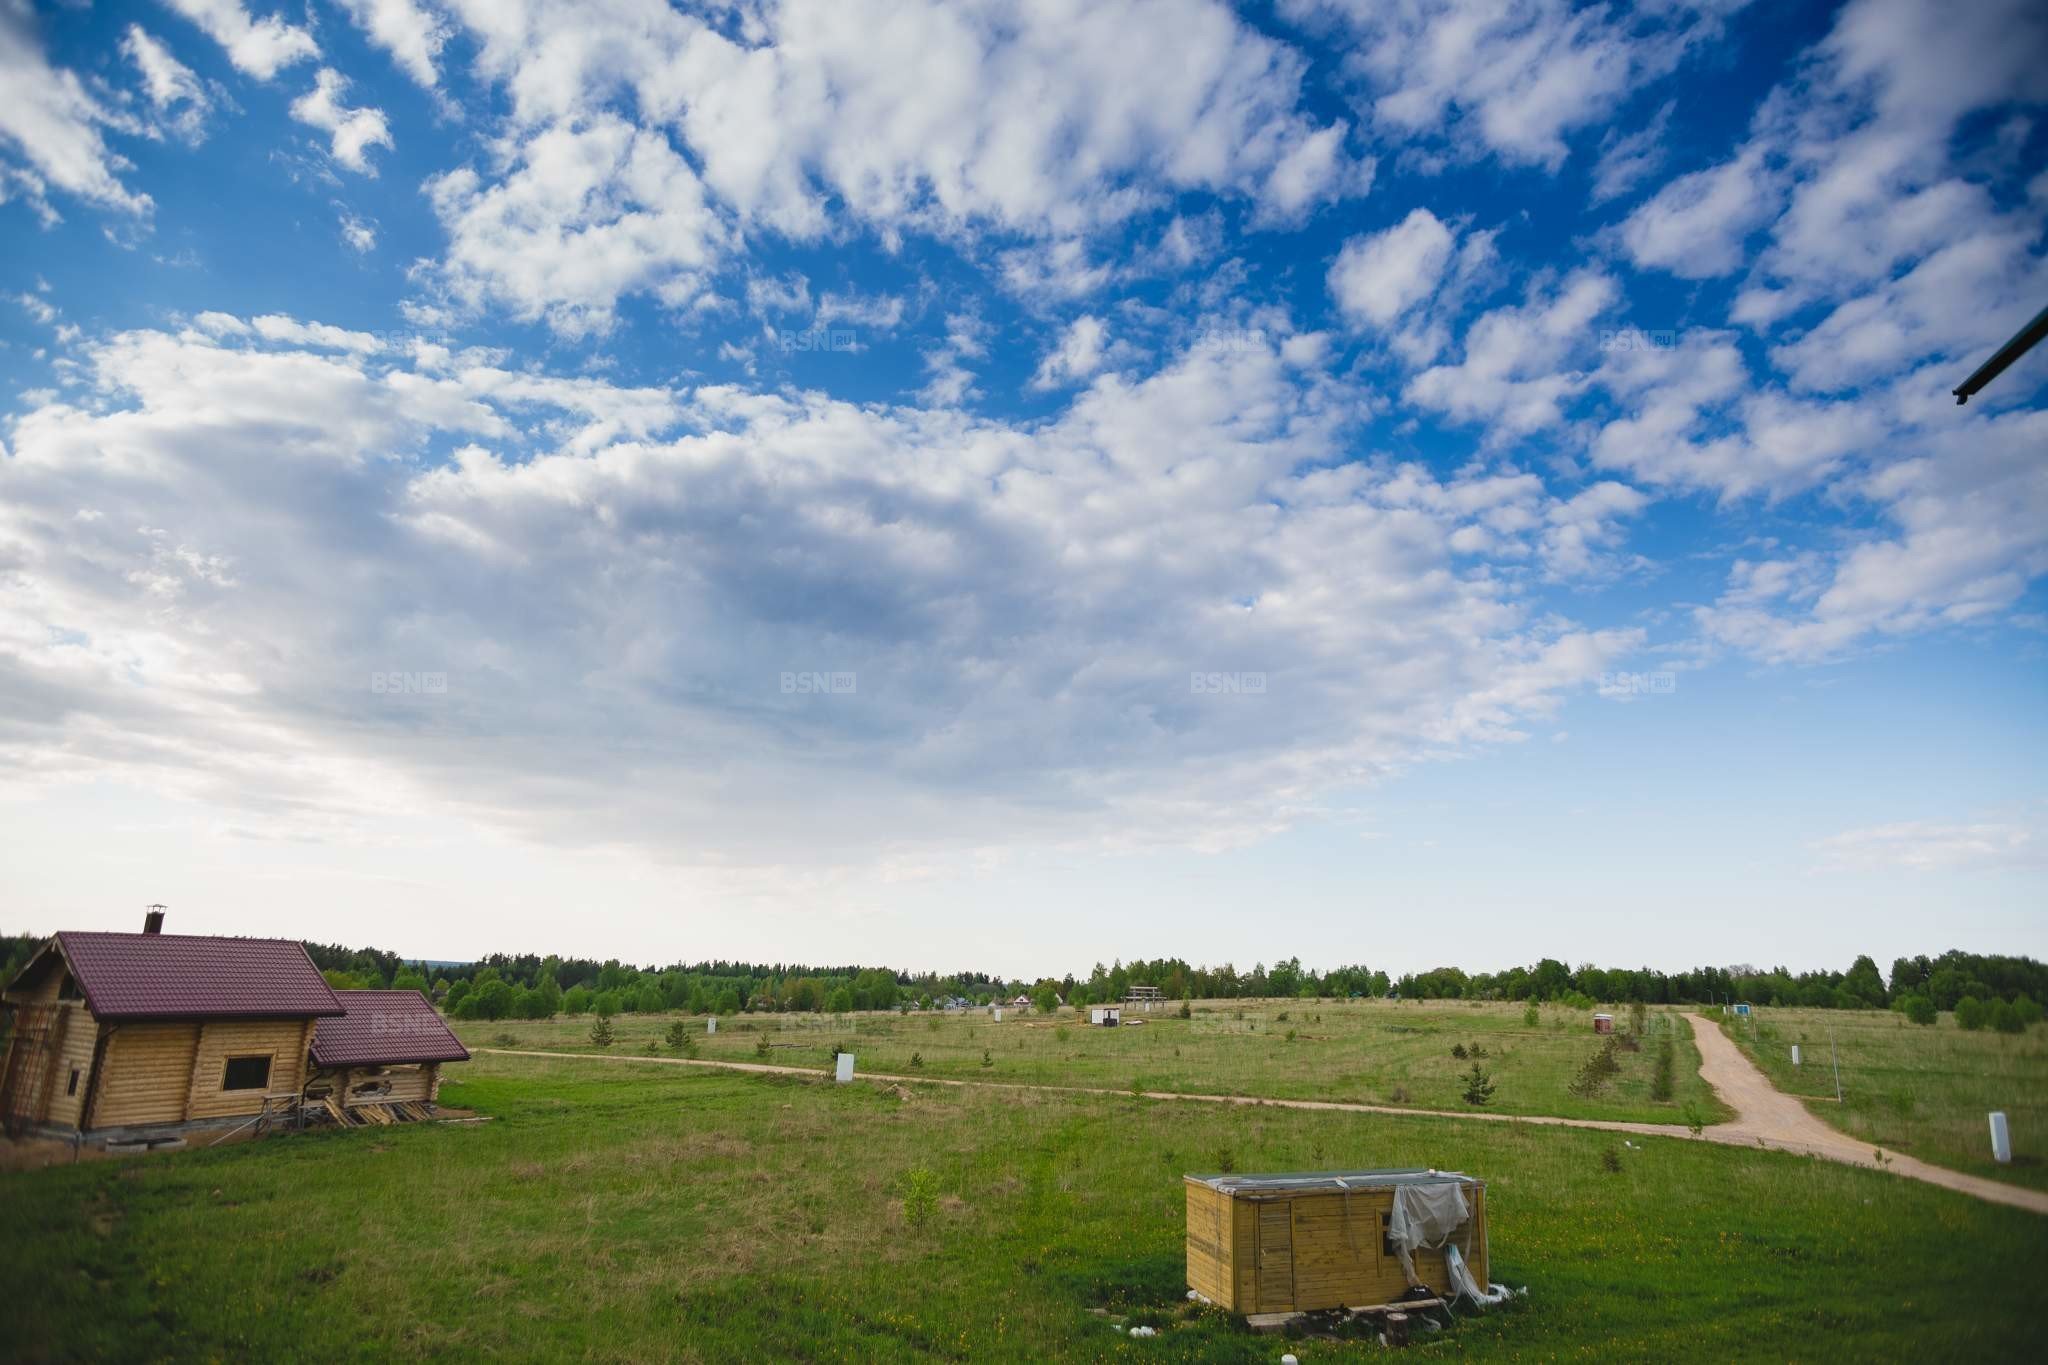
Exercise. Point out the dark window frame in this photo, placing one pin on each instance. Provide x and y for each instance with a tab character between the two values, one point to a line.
227	1071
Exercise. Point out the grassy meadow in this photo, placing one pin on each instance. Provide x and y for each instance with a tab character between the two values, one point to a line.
618	1212
1371	1052
1926	1091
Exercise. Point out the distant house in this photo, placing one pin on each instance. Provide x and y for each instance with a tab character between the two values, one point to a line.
1022	1002
152	1030
386	1047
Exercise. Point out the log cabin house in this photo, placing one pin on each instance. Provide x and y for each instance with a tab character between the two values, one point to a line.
119	1037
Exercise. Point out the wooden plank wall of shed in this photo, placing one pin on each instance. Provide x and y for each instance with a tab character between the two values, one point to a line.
1211	1236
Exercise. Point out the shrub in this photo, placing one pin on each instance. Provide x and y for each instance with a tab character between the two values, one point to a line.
916	1061
1531	1017
1398	1095
1185	1012
761	1046
1610	1159
920	1196
681	1039
2004	1019
1597	1071
1919	1009
1458	1051
987	1057
1695	1118
1290	1035
1971	1013
1478	1086
601	1031
2026	1010
1662	1079
1225	1160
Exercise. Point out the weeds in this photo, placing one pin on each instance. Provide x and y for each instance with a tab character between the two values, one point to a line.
920	1196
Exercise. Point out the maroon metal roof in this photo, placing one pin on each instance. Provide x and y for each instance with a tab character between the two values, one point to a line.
384	1028
195	976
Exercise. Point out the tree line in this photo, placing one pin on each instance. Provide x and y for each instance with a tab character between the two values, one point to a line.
528	985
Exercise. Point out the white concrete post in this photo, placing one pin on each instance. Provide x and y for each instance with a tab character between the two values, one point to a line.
2001	1140
711	1024
1795	1054
845	1067
999	1014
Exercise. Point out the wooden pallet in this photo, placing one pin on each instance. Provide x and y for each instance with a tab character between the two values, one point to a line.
1277	1322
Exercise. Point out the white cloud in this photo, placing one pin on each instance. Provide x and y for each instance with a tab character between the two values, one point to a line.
1020	603
1695	227
1078	354
53	123
586	214
172	87
1931	846
1378	277
953	118
354	131
1968	531
1627	159
1517	367
411	33
359	233
1509	77
258	47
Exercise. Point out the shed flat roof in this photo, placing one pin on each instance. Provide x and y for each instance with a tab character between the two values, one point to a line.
1335	1181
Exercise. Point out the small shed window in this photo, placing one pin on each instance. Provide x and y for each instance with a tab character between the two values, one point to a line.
246	1073
71	1086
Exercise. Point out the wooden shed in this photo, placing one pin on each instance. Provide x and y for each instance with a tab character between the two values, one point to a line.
150	1031
386	1048
1329	1239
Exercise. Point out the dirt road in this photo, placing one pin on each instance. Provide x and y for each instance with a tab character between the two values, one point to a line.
1764	1115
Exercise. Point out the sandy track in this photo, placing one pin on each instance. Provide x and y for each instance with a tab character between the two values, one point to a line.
1765	1116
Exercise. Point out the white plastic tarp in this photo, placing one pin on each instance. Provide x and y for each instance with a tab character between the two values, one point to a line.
1425	1215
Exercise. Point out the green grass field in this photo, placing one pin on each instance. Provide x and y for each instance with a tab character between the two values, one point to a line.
1371	1052
619	1212
1923	1091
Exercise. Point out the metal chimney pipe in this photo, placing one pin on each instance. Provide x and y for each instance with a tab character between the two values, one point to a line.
153	922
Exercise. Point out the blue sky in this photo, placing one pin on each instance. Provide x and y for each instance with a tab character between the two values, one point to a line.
1405	482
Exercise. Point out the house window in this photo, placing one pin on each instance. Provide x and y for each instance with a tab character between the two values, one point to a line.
71	1087
246	1073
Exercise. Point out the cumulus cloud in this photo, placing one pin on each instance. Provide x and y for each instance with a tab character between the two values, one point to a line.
1519	363
354	131
618	578
584	214
950	118
53	124
1379	276
1966	530
1079	353
1695	227
258	47
413	34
